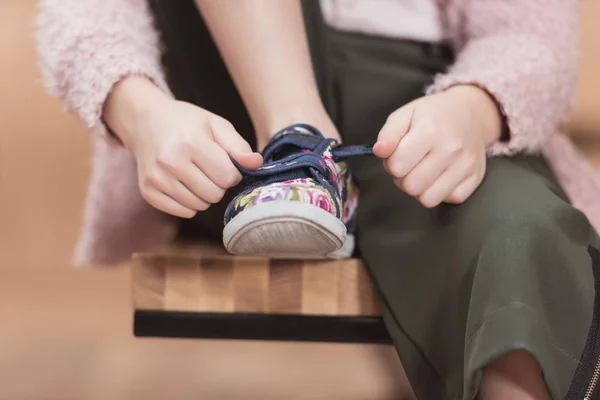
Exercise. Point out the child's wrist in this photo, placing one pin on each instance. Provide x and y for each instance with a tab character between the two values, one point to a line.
131	101
485	109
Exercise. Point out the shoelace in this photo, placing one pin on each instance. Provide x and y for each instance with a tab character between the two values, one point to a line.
301	165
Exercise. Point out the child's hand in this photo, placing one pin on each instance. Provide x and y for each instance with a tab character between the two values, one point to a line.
435	147
182	151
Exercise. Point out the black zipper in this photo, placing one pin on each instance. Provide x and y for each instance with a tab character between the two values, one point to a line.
586	382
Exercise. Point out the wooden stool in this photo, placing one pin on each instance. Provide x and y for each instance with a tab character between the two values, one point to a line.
198	291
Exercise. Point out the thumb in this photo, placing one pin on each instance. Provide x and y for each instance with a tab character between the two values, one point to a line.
234	144
394	129
248	160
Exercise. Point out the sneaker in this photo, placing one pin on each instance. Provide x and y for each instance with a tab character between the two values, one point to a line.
301	203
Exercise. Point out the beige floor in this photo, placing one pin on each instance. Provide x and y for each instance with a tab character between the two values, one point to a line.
66	334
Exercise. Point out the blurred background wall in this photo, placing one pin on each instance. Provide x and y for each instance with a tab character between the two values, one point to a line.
66	334
585	121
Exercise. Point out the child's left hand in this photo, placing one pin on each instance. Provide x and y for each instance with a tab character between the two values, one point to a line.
435	146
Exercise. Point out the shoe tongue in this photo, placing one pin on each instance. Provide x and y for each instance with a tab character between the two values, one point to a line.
293	146
302	129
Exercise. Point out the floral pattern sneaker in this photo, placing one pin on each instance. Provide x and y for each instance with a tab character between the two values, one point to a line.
301	203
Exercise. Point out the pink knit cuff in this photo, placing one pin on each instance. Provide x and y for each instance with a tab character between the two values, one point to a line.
86	46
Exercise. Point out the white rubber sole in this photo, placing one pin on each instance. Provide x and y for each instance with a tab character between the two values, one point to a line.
287	229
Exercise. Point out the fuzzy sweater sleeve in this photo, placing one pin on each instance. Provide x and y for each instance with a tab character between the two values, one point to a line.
86	46
525	54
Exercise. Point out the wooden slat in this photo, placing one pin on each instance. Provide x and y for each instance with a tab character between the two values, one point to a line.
251	285
215	291
148	283
188	281
285	287
320	288
182	280
369	303
356	295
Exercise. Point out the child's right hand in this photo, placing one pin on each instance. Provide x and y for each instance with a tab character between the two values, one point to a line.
182	151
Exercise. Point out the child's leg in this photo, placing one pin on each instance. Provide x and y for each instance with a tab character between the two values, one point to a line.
265	49
514	376
467	290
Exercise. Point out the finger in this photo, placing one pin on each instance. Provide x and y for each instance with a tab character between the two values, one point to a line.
170	185
186	198
227	137
161	201
464	190
248	160
212	159
445	184
200	185
394	129
384	148
180	193
234	144
412	150
422	176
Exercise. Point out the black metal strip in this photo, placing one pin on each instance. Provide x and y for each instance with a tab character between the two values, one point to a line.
277	327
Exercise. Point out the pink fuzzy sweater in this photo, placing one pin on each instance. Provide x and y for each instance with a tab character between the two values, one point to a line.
524	53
